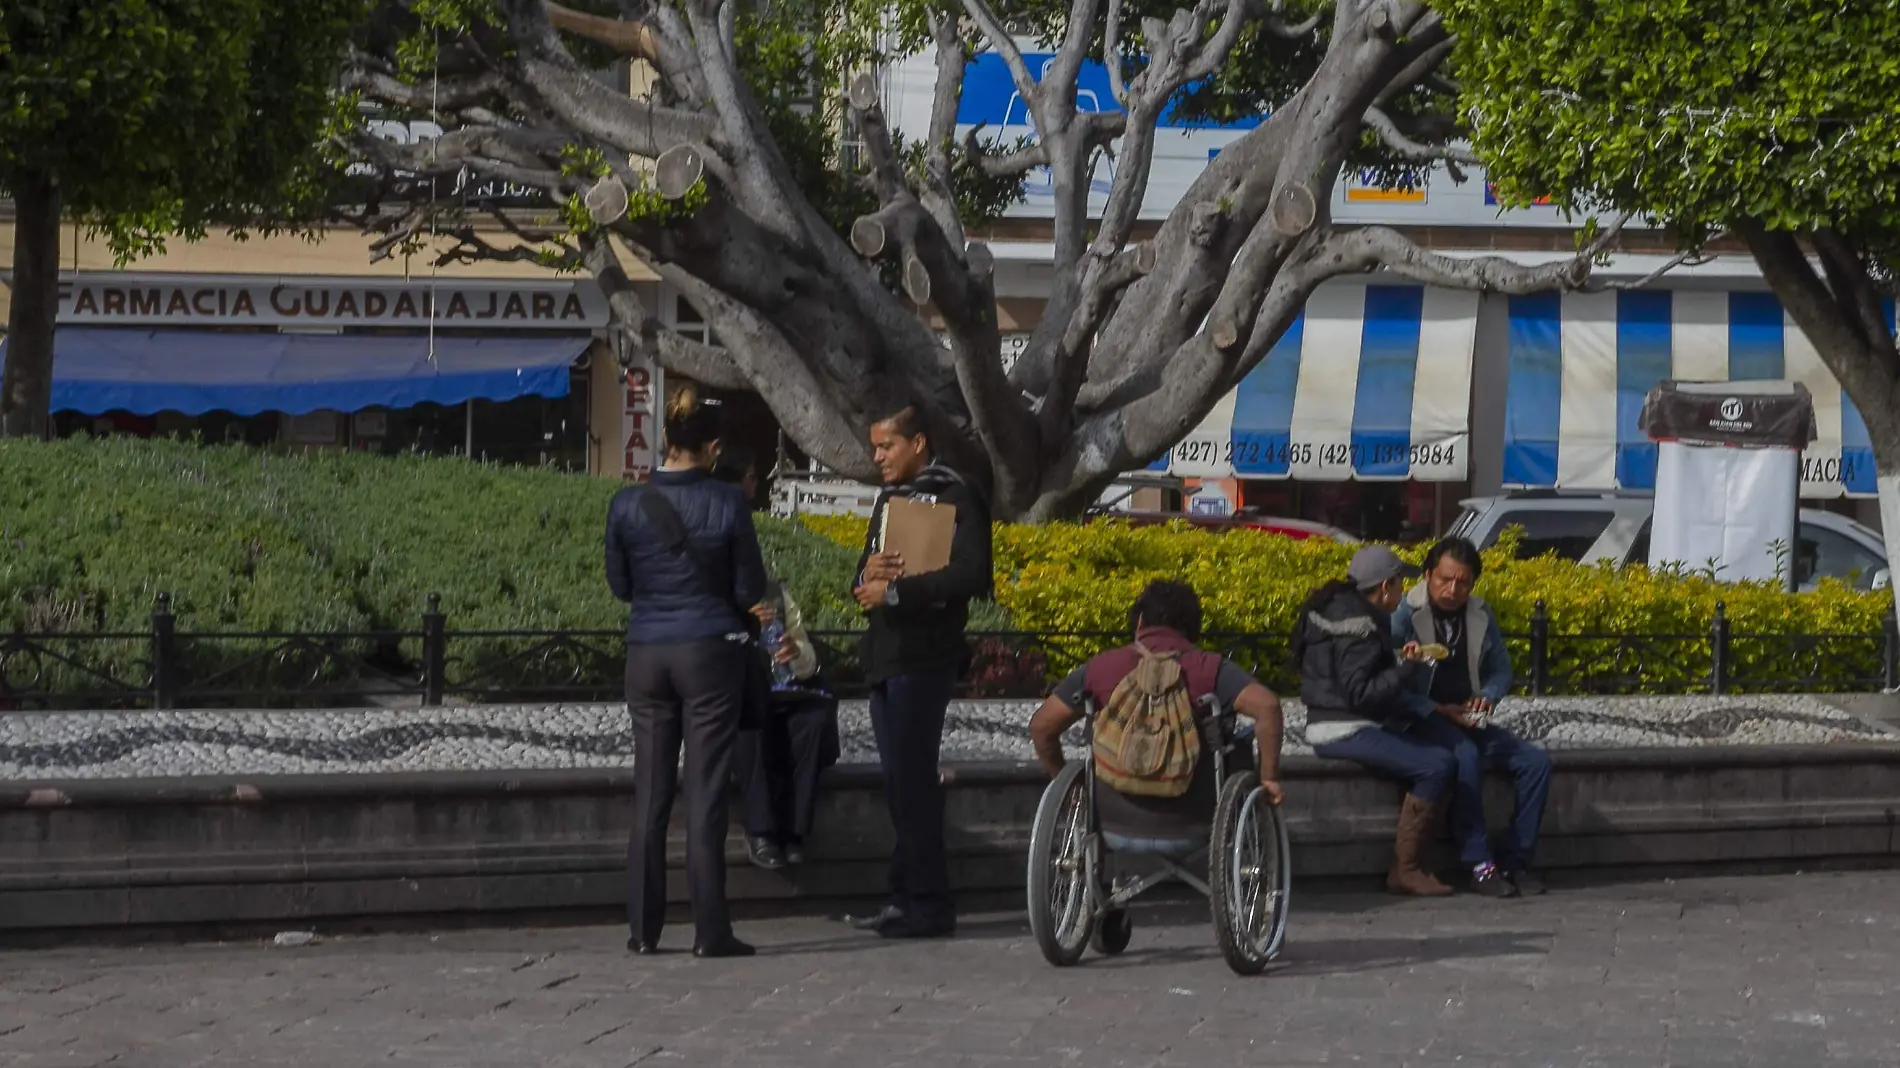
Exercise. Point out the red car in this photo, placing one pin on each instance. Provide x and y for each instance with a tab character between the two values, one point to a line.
1297	529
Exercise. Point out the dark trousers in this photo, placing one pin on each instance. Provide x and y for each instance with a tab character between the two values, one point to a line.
1434	757
780	764
907	716
693	691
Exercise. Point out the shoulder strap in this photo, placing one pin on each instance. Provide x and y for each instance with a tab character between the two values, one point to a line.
672	530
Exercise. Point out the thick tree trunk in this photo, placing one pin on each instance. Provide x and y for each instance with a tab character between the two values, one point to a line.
26	387
1840	314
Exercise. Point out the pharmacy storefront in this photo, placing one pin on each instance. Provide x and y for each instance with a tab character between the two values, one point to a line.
509	370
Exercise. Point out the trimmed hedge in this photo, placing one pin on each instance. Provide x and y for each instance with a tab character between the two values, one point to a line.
1081	578
246	539
251	540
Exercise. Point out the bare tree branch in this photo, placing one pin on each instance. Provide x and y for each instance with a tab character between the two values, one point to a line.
763	353
1005	45
1690	257
938	193
710	364
1382	247
1059	84
471	247
435	99
626	36
1004	165
1111	53
1408	149
639	127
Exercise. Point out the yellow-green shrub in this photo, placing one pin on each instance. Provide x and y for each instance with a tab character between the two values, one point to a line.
1606	624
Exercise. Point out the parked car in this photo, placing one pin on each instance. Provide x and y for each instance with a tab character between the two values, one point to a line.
1593	527
1297	529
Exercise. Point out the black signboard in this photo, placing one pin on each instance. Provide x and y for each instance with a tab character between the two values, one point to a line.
1757	414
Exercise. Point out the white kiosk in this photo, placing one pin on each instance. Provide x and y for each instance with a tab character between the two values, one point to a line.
1728	476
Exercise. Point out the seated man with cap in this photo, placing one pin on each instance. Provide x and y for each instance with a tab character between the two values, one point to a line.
1364	702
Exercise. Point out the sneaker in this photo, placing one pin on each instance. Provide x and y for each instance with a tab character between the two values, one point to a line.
1490	881
1527	883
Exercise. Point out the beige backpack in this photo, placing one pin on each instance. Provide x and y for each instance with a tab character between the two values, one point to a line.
1146	741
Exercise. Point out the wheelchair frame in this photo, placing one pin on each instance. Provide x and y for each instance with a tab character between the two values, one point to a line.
1249	875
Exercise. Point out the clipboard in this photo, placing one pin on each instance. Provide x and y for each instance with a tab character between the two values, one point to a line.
920	532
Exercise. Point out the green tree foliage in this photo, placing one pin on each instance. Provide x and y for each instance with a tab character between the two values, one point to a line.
1701	115
149	118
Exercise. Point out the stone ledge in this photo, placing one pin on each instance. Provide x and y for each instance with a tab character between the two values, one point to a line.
116	852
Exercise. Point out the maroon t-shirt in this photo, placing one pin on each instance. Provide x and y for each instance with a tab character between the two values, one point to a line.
1186	816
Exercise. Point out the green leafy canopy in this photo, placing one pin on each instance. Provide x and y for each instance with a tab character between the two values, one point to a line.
169	116
1695	113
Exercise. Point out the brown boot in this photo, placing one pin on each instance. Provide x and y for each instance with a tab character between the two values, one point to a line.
1406	877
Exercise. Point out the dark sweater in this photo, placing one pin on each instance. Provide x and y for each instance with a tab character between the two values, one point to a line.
671	601
924	631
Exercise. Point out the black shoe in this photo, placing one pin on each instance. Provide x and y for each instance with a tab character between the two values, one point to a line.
908	927
764	853
794	853
889	914
643	947
1527	883
728	947
1493	884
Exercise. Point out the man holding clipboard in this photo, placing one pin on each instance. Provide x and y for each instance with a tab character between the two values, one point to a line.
926	556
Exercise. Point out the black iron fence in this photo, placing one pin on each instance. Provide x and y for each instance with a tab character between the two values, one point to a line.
434	664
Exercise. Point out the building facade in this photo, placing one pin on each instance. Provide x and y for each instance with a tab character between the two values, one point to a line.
1388	402
308	344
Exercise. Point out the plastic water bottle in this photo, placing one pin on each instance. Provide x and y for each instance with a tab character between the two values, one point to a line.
772	637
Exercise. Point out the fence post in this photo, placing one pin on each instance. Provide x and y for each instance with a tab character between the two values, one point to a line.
1540	649
1890	654
1718	651
164	654
435	651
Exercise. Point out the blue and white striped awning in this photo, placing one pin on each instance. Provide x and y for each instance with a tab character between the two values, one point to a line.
1372	382
1582	363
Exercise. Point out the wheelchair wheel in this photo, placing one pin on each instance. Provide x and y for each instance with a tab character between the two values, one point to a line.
1061	871
1113	932
1250	878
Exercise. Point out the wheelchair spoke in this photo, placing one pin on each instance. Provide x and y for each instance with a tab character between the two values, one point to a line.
1068	896
1253	871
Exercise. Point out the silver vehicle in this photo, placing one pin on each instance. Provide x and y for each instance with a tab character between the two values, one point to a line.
1595	527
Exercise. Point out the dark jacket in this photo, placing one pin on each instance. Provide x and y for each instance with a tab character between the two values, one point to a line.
924	631
671	601
1348	670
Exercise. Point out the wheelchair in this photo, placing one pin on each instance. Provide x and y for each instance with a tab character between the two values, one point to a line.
1248	875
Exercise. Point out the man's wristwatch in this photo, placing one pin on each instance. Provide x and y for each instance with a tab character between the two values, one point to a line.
890	594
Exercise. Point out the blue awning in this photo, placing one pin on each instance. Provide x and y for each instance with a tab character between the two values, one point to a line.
98	369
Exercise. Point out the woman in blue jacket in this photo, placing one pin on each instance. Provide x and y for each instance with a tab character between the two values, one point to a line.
683	553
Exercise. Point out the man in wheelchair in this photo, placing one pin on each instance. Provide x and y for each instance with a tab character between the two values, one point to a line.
1222	800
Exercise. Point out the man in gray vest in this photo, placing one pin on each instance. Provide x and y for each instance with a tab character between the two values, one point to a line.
1465	688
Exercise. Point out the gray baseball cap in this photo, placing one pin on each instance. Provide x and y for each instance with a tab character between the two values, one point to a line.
1376	565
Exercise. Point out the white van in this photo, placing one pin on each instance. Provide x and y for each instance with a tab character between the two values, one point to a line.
1593	527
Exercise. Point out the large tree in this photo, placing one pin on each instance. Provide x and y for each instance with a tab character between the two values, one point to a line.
814	302
146	118
1773	123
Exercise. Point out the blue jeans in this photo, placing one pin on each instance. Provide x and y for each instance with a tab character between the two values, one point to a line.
1433	756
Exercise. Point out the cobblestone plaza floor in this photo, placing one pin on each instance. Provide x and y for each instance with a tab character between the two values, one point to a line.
1783	970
